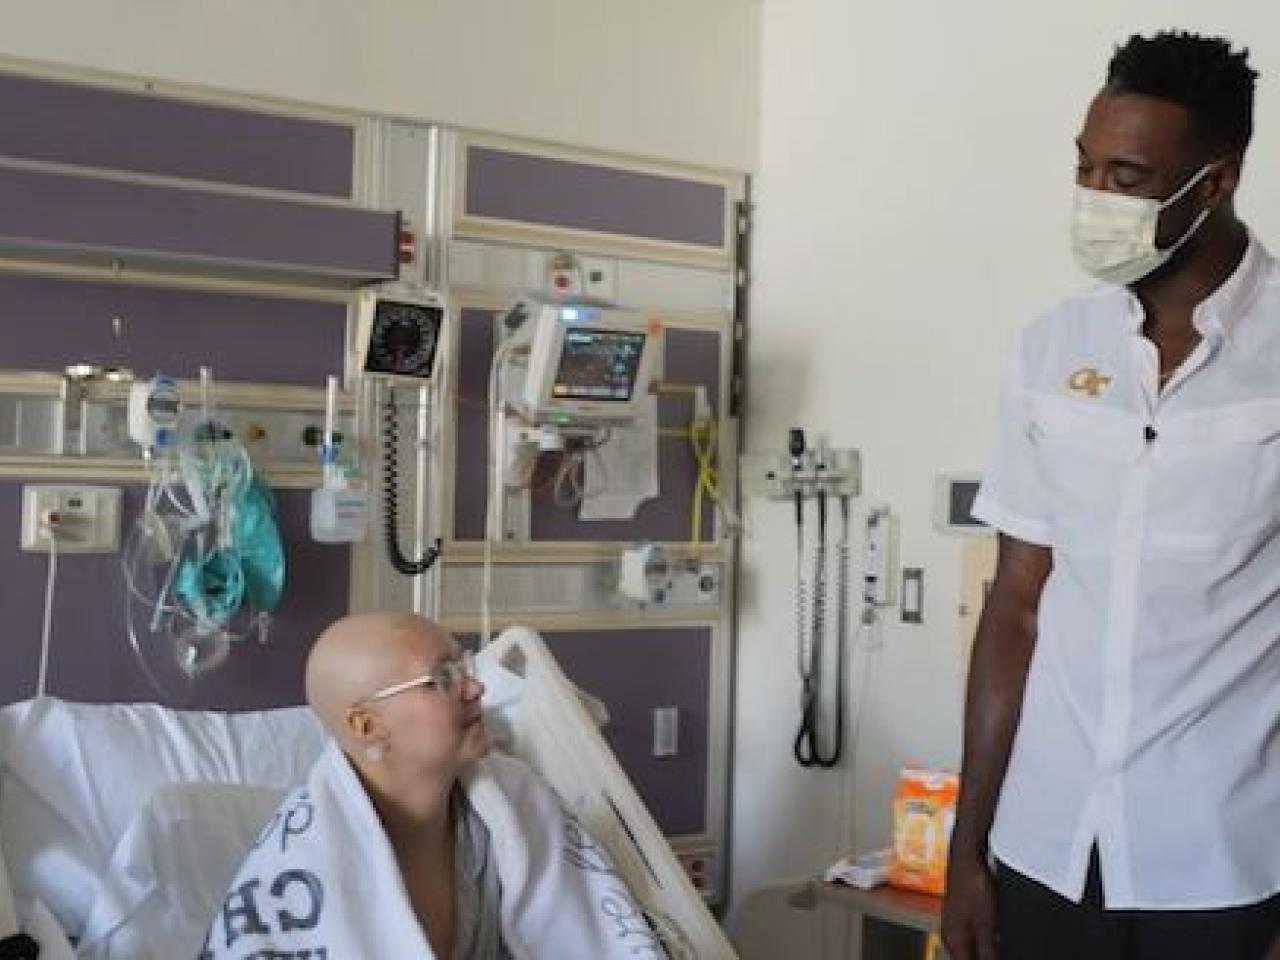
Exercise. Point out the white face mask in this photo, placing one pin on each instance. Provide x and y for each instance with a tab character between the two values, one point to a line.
1113	236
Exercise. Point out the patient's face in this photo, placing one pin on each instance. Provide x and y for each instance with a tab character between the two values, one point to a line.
437	726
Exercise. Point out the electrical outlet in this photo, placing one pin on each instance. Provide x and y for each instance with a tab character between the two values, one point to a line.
600	278
78	519
701	867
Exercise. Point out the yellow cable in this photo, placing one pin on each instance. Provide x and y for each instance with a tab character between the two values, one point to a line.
706	482
703	438
695	508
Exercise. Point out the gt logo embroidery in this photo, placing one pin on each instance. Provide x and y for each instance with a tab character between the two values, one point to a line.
1088	380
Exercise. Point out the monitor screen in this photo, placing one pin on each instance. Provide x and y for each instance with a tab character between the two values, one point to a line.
598	364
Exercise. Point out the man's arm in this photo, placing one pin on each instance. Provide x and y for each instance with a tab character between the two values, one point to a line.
993	704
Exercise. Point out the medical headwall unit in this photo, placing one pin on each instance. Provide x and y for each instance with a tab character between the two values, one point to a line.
163	229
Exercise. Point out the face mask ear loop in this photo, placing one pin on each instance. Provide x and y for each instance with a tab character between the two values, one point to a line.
1199	221
1189	186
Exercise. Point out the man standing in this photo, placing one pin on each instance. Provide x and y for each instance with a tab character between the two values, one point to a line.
1122	735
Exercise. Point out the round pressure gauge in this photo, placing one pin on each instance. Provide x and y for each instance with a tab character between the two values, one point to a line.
403	339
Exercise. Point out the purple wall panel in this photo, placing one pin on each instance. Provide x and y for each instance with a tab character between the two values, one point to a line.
581	196
471	459
633	671
91	659
69	123
692	356
63	211
46	324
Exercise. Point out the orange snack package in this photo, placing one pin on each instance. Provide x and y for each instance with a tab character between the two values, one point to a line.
924	811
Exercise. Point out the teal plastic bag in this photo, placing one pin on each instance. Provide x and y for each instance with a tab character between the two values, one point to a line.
252	567
261	552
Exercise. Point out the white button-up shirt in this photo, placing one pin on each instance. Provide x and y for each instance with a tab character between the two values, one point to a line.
1151	720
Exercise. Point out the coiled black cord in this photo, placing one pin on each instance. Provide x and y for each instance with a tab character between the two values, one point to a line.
390	493
807	751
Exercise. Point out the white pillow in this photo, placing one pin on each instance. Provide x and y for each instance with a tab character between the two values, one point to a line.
171	869
75	775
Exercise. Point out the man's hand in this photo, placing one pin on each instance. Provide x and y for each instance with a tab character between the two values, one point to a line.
969	911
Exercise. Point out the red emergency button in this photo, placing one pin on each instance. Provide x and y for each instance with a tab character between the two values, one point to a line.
407	246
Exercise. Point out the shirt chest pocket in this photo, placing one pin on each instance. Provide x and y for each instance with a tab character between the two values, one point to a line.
1216	479
1084	454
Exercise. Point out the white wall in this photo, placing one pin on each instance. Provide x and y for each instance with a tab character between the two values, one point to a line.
663	78
913	190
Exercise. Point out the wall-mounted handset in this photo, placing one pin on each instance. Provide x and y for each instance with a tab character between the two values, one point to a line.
795	447
880	560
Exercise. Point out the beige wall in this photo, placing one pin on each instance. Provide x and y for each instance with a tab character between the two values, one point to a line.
915	167
664	78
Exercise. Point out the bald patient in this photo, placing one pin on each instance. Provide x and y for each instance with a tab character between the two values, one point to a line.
409	839
398	697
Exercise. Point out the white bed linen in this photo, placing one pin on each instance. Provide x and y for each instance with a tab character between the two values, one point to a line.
323	881
544	722
74	776
171	868
172	864
95	845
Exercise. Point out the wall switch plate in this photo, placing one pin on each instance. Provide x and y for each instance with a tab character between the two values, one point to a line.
80	519
666	731
912	595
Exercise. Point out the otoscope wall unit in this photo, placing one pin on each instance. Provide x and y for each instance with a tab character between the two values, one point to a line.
822	482
807	470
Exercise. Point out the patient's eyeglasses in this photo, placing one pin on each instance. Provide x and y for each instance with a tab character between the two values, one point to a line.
449	677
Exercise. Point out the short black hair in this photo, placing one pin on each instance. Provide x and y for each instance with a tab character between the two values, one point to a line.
1203	74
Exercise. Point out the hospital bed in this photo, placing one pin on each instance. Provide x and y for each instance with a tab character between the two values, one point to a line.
122	825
